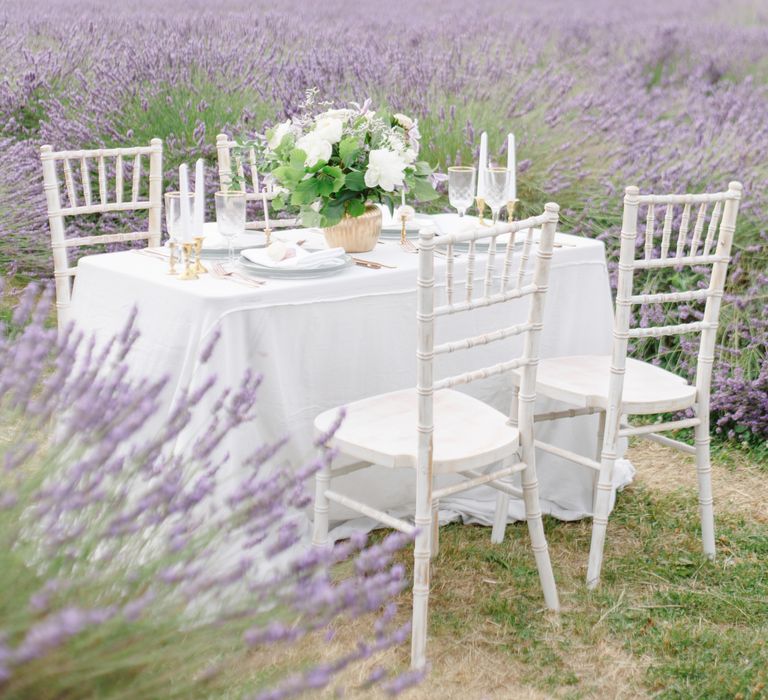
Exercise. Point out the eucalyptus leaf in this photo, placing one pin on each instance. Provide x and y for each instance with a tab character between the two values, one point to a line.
349	149
423	191
297	159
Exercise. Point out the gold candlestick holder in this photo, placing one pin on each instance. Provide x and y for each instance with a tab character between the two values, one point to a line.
172	248
198	247
403	219
189	270
480	202
268	235
511	204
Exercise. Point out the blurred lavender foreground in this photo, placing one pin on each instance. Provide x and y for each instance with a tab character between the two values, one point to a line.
112	576
671	95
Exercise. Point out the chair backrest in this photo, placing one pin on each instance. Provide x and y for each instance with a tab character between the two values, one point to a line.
500	283
111	167
705	246
245	177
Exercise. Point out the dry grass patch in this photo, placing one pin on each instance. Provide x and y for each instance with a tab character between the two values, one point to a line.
740	487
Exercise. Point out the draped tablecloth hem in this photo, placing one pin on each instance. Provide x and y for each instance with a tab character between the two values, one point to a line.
473	511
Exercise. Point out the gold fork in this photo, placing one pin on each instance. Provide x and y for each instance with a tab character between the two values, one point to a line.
221	272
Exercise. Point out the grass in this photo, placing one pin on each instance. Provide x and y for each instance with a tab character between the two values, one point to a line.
665	621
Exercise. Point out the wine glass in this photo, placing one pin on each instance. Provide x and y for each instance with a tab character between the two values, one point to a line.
461	187
230	218
173	224
496	189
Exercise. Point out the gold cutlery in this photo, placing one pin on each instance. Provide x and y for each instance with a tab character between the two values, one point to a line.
373	263
220	272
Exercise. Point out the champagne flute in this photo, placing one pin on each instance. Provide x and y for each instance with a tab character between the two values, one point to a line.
230	218
496	188
461	187
173	224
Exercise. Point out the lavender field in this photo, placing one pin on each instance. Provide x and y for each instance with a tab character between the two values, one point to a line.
671	95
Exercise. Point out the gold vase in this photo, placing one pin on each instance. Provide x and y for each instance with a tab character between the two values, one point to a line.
356	234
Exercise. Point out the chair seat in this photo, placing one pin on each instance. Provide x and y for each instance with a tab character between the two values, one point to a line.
583	380
382	430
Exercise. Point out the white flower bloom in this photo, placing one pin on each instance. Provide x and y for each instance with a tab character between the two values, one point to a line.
406	122
342	115
278	133
315	147
328	129
385	170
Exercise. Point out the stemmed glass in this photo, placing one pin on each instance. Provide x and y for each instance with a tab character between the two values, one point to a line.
173	224
461	187
230	218
496	189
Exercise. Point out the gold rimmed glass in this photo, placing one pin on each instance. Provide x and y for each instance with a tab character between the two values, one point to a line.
461	187
230	218
173	225
496	188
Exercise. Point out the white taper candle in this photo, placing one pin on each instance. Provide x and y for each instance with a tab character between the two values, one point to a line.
266	209
483	164
199	197
186	224
511	166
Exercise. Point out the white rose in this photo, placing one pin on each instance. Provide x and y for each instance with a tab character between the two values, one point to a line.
405	122
385	170
315	147
342	115
278	133
329	129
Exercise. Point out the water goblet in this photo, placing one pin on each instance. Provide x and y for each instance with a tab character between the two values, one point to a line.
230	218
496	188
461	187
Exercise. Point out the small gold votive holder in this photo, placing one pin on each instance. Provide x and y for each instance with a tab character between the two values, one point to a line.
268	236
189	270
511	204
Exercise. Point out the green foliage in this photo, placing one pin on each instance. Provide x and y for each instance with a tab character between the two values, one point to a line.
330	182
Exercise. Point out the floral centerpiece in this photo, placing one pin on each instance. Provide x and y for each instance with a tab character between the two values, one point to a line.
333	163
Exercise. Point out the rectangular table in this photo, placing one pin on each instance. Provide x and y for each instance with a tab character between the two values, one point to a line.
324	342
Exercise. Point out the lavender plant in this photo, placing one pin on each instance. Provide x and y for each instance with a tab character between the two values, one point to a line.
127	570
671	95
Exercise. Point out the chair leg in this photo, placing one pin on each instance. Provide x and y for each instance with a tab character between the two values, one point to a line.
320	526
421	563
538	540
502	499
704	473
434	543
600	517
598	454
500	518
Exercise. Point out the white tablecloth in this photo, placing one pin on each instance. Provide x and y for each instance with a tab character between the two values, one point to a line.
325	342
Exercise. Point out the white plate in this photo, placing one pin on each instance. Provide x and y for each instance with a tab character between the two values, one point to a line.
329	267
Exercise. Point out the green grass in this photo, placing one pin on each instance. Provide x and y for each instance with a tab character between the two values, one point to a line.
176	109
695	629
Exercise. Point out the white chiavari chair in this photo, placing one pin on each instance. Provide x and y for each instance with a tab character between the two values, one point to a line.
434	429
615	386
248	181
81	200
